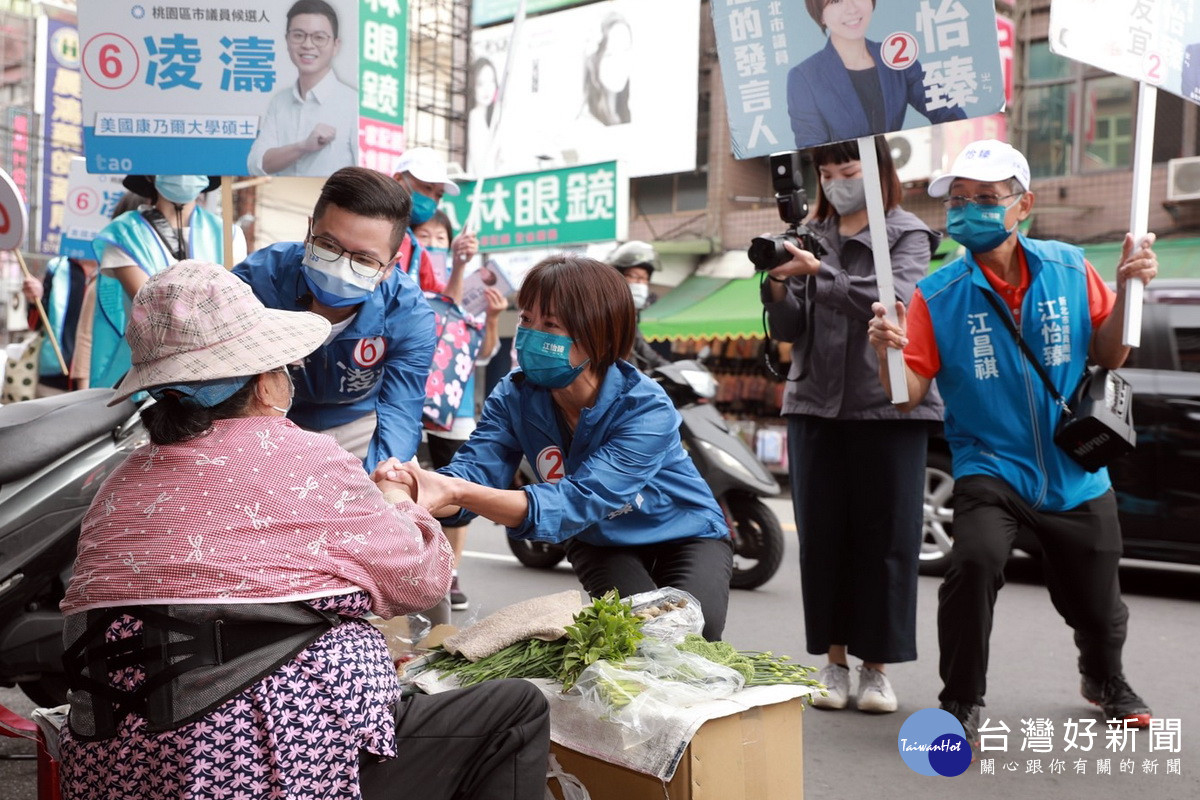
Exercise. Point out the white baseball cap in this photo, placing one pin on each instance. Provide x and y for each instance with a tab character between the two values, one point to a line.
986	160
424	164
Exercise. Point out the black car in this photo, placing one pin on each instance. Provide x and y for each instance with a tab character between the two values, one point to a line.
1158	484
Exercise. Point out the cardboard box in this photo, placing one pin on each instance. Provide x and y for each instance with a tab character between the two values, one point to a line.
758	753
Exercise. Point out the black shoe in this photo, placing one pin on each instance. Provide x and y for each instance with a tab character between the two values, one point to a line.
968	715
458	600
1117	699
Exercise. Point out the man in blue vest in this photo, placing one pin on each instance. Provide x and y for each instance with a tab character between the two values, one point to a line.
366	385
1000	420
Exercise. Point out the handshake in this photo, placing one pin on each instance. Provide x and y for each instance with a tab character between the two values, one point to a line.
435	492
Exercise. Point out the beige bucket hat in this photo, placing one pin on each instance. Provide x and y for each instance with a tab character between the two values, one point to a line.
197	321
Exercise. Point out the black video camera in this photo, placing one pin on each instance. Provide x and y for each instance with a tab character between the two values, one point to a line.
787	178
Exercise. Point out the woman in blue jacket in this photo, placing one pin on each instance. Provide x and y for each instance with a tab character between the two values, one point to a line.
617	487
845	90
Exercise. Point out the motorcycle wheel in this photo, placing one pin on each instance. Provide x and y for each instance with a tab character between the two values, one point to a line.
48	690
757	541
538	555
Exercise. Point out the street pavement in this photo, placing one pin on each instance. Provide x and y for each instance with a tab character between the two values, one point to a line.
850	755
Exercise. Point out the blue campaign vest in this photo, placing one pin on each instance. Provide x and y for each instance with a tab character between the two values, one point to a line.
133	235
59	270
1000	418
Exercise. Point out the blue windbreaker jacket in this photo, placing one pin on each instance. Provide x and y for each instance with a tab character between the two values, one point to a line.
625	480
379	363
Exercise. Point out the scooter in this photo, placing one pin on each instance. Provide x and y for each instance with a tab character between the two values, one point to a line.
56	453
737	477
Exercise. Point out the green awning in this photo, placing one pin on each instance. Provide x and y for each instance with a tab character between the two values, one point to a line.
732	311
693	289
1177	258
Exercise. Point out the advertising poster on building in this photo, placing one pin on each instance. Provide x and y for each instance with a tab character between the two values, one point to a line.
60	98
554	207
489	12
206	88
600	82
1152	41
87	208
793	80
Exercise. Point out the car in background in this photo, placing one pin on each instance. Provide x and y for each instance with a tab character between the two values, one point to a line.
1158	484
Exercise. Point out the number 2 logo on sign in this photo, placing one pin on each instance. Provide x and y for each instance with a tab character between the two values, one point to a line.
369	352
550	464
900	50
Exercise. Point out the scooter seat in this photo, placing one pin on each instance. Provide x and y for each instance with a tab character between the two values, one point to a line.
37	432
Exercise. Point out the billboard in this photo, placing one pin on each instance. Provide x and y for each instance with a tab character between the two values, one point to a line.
1153	41
87	208
564	206
794	81
596	83
209	89
59	100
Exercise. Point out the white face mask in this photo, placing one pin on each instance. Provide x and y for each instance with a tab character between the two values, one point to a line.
291	392
641	294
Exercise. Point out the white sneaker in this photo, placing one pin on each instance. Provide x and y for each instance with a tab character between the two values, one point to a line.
836	678
875	693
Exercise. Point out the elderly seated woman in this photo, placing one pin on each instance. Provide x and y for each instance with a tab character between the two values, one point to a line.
215	630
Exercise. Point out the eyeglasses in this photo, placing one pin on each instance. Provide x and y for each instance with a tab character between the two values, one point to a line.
319	38
985	200
327	249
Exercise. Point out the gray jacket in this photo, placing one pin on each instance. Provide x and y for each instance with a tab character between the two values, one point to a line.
842	381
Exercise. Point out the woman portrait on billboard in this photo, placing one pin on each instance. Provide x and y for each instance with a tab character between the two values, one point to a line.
846	89
606	74
481	119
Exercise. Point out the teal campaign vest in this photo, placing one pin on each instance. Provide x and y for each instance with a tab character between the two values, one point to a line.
59	270
134	236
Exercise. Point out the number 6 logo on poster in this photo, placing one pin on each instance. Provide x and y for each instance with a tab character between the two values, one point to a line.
550	464
111	61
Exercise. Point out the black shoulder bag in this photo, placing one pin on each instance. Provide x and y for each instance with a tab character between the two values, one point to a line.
1096	426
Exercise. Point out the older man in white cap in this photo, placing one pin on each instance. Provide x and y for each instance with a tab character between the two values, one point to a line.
962	329
424	174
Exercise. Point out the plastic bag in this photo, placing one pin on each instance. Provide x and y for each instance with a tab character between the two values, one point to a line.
568	784
642	693
669	613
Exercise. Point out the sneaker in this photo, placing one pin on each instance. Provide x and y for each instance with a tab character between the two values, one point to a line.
875	695
458	600
1117	699
836	678
968	715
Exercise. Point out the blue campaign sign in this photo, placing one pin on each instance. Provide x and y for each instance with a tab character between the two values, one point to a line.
189	88
1152	41
799	74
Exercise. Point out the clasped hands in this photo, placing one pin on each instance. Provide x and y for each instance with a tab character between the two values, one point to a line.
435	492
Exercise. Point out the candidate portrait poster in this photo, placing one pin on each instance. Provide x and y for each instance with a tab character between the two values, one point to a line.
795	80
207	88
600	82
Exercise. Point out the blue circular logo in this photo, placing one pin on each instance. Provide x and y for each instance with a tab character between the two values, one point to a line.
932	742
138	12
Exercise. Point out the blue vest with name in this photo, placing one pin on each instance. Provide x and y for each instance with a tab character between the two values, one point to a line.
1000	417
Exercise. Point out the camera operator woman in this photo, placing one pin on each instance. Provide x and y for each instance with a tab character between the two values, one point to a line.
618	488
217	644
857	464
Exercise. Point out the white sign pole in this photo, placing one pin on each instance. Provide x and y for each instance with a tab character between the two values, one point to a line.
1139	210
877	223
493	148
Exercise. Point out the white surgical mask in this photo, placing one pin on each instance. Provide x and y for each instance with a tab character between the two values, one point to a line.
641	294
291	393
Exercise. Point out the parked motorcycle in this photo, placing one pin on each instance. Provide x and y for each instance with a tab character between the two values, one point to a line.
56	453
737	477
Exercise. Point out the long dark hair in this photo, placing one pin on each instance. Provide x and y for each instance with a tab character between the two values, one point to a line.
609	109
842	152
168	421
476	68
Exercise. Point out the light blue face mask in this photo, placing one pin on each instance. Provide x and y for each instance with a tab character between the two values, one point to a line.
180	188
978	228
334	283
545	358
423	208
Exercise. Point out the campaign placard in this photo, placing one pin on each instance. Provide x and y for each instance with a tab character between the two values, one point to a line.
795	78
87	208
213	89
1153	41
